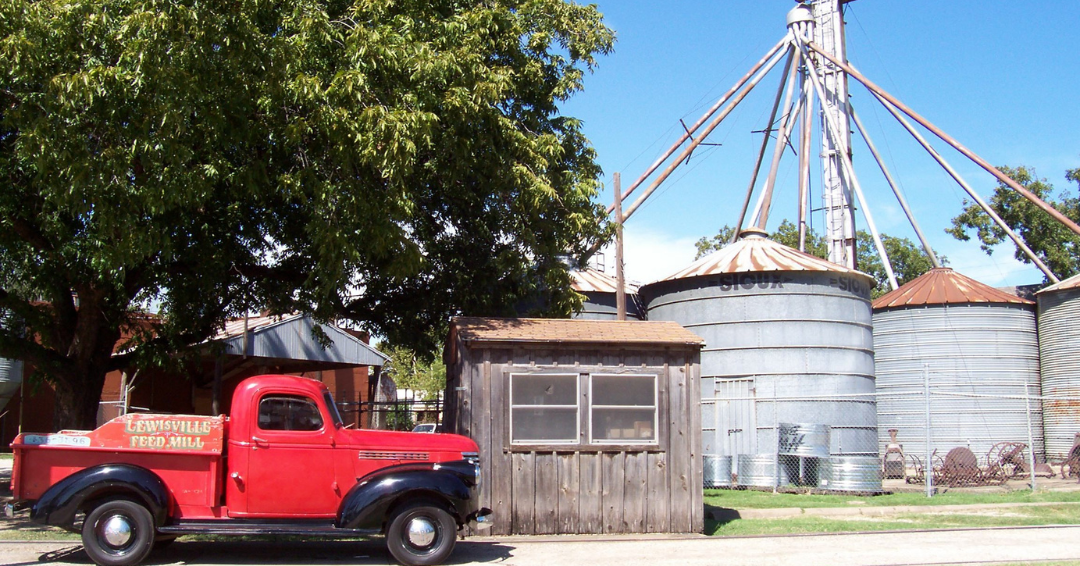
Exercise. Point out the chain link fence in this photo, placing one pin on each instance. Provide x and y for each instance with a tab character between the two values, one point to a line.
934	437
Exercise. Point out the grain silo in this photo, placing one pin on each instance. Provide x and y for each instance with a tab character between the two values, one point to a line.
979	349
1059	348
10	378
599	290
777	323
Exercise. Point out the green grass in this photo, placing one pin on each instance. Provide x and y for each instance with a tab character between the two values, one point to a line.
7	456
739	499
945	519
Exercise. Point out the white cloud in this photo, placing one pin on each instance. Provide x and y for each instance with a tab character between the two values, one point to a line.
651	254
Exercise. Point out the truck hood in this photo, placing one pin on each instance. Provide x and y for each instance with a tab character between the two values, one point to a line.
404	441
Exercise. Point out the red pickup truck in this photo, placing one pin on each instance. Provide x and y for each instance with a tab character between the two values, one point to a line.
281	464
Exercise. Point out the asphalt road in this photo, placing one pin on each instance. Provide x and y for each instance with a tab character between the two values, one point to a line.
982	546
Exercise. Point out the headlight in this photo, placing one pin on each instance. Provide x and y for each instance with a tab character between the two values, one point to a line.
474	459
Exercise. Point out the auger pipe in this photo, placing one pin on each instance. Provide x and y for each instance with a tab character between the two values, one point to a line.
697	141
892	184
1008	181
791	114
849	170
764	146
708	114
967	188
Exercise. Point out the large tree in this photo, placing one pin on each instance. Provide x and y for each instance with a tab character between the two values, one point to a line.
393	162
907	259
1054	244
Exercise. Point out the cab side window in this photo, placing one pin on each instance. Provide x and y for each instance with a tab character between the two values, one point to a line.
289	412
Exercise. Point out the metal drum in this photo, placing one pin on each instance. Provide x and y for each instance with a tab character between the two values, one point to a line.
759	470
806	440
717	471
850	473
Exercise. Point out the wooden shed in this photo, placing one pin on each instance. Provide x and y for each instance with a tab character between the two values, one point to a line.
584	426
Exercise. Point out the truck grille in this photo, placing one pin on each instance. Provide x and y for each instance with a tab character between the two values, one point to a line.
377	455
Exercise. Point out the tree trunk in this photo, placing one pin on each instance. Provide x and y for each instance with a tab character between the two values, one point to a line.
77	407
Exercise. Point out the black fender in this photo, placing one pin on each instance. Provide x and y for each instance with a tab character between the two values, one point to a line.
59	504
367	504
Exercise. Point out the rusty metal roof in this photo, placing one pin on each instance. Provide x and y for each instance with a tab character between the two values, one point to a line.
1070	283
577	331
593	281
943	286
754	253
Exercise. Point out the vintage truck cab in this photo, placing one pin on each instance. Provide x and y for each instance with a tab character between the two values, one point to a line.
281	463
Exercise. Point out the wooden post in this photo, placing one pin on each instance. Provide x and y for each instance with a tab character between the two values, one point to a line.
620	282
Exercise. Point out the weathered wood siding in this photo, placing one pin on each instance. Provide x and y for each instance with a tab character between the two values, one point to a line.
586	488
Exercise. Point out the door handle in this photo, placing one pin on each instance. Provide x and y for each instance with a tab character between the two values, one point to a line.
260	442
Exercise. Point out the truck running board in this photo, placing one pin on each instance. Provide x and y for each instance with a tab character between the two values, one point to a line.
241	527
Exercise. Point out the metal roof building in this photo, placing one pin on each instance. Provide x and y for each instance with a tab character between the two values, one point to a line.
1059	349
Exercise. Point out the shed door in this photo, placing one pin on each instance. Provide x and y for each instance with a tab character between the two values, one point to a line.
735	421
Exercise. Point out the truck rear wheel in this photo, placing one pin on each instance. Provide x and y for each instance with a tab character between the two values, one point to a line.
118	532
421	534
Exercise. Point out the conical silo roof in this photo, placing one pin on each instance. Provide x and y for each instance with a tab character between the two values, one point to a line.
593	281
943	286
1070	283
755	253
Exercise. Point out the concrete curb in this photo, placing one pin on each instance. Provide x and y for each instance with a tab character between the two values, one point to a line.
727	514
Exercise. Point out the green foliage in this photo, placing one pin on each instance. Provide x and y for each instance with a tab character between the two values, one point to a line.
395	163
399	417
410	370
1054	244
908	259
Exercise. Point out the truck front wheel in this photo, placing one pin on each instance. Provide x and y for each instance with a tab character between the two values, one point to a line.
421	534
118	532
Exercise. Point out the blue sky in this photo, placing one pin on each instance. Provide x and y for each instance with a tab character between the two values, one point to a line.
1001	77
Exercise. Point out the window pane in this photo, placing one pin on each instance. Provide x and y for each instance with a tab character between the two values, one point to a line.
623	425
624	390
289	413
539	389
544	425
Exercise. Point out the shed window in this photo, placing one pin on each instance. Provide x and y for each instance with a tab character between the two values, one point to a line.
622	409
544	408
289	412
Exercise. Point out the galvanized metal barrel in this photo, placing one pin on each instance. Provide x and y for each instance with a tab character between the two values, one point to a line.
850	473
759	470
803	439
717	471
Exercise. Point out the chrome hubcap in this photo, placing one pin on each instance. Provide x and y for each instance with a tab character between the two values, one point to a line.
421	532
116	531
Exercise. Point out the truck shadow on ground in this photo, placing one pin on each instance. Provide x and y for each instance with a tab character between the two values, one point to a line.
292	553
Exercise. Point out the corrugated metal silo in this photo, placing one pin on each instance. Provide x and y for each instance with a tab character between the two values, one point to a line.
1059	347
11	375
777	323
977	341
599	290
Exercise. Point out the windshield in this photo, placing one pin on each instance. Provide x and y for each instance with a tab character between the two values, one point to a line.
332	407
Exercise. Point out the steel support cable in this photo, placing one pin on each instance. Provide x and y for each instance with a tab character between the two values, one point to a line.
892	184
749	86
967	188
708	114
778	150
764	146
881	94
845	160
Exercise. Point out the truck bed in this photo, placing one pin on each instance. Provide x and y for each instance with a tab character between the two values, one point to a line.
184	450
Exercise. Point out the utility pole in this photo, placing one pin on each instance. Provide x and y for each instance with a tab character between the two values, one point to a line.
620	279
828	32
